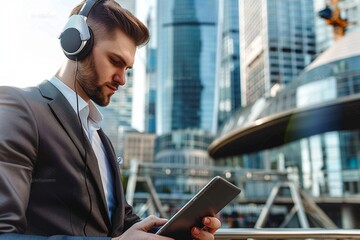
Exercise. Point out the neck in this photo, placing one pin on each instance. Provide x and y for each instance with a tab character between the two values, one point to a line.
67	74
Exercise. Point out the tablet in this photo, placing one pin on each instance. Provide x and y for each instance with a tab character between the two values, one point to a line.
207	202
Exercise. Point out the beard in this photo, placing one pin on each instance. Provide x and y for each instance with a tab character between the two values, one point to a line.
88	79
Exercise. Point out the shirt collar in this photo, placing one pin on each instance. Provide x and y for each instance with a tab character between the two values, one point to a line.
89	113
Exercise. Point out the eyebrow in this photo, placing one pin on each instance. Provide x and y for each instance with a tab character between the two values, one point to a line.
120	58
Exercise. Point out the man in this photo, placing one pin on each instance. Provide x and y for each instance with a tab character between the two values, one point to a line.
58	170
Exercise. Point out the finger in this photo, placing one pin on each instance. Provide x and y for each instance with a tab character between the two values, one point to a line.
211	223
198	233
150	222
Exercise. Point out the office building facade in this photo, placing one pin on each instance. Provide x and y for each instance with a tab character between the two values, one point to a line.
186	150
151	77
139	147
277	41
228	79
150	92
186	74
187	38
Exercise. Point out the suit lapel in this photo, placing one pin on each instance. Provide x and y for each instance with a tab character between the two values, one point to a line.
118	214
64	113
70	122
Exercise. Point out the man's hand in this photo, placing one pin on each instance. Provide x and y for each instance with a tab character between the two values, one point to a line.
206	233
139	231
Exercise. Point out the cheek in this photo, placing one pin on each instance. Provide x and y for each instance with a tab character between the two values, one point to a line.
102	71
105	75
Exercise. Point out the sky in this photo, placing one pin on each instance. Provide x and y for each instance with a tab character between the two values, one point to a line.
30	50
29	47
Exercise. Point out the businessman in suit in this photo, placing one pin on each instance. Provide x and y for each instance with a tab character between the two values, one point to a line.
58	172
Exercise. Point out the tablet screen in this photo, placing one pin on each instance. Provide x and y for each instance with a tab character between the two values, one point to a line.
207	202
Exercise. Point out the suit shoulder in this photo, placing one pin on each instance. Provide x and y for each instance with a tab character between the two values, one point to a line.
12	90
19	97
15	92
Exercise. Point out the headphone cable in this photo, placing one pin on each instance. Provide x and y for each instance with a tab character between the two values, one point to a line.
85	158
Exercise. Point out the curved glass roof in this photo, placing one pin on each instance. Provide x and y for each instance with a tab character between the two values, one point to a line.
345	48
329	79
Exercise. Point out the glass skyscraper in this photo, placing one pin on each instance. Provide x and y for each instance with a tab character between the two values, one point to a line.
229	93
277	41
187	38
150	92
186	75
150	80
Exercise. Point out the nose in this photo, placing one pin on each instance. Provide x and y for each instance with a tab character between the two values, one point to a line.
120	78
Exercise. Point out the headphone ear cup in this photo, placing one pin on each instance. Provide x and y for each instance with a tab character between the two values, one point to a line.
77	39
70	42
86	50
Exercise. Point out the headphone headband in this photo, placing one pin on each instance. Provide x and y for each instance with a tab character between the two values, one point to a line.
86	8
77	39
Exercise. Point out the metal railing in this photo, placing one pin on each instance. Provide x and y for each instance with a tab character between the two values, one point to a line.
286	233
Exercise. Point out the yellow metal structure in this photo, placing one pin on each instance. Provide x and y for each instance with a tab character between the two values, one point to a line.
332	16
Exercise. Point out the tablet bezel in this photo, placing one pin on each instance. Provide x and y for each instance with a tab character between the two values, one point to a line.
213	197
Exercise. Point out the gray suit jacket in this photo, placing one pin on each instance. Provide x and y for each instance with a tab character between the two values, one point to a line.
44	189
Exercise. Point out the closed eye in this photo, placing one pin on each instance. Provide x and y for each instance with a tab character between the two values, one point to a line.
117	63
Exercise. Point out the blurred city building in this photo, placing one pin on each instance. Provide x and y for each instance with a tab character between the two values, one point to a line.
352	14
140	147
151	77
299	117
228	78
186	148
186	74
309	129
277	41
187	42
150	91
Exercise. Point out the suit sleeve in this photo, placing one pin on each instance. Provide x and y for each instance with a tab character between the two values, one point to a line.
130	217
14	236
18	144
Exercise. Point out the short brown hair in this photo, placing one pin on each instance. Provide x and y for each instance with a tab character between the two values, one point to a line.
107	15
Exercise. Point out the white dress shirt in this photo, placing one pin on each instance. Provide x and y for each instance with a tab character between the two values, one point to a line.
91	119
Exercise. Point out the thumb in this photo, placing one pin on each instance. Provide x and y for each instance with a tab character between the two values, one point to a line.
151	221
